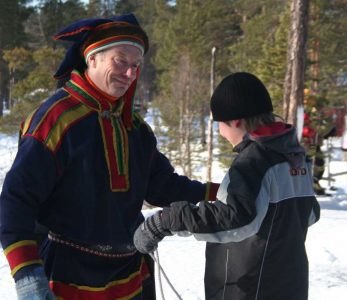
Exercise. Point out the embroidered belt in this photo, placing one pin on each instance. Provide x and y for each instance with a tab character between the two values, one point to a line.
99	250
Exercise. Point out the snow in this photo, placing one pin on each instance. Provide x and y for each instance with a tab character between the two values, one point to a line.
182	258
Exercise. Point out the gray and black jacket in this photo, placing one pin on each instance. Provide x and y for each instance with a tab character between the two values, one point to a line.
256	230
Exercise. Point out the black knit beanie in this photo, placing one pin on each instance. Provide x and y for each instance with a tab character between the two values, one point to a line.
240	95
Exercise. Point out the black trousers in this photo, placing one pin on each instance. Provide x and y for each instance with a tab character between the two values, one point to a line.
148	292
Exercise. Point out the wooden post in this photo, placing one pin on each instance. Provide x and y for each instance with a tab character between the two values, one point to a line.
210	121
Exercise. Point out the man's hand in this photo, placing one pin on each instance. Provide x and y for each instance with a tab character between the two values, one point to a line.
149	234
34	286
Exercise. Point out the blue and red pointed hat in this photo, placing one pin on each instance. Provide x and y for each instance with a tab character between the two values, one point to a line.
92	35
89	36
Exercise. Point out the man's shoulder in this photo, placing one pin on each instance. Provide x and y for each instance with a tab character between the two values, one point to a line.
53	118
139	122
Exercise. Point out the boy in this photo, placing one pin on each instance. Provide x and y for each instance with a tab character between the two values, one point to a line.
256	230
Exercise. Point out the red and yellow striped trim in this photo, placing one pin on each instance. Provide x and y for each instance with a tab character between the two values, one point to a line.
21	254
85	93
115	140
113	41
113	129
211	191
124	289
74	32
26	124
58	119
109	98
114	24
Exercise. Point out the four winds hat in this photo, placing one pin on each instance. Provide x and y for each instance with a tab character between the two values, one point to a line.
240	95
89	36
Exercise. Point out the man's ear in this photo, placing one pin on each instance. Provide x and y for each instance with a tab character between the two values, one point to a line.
91	61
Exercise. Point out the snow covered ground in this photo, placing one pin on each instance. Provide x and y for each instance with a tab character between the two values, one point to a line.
183	258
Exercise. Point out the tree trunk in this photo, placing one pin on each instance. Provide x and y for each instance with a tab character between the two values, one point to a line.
313	53
294	79
203	125
188	154
181	133
1	94
187	129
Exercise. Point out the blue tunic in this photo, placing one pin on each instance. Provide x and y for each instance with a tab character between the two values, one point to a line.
83	175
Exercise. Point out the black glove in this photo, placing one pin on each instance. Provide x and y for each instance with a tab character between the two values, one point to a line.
150	233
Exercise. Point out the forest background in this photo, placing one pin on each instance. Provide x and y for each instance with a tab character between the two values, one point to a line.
175	83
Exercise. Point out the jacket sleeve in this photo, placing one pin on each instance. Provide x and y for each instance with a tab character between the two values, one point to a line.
165	186
236	215
27	184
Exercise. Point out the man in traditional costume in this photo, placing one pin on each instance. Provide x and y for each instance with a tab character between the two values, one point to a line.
85	164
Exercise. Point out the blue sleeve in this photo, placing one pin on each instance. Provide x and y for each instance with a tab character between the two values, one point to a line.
27	185
166	186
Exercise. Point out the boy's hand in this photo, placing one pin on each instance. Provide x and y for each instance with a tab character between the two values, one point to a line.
149	234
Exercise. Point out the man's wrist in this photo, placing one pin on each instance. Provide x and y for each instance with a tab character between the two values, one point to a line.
32	270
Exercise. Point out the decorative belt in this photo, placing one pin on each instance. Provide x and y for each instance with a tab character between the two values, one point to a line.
99	250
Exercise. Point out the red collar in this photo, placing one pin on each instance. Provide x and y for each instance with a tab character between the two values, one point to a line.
270	129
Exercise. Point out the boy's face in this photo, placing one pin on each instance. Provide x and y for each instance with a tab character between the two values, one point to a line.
233	131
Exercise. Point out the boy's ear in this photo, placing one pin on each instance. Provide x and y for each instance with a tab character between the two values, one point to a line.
236	123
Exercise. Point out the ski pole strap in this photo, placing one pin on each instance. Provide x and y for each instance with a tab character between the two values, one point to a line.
156	260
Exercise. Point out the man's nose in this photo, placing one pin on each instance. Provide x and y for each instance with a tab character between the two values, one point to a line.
131	72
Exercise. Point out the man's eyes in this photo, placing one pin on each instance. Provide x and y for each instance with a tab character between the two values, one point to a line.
124	64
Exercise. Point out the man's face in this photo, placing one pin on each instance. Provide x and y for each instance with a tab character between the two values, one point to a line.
113	70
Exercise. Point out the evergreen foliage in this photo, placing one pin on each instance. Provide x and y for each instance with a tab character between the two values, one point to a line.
101	8
327	68
12	15
50	16
183	69
37	84
271	67
260	20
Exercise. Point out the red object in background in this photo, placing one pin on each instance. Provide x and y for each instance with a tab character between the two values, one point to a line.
337	115
308	132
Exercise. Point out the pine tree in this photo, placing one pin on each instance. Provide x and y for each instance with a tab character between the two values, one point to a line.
18	61
126	6
53	15
326	54
272	66
149	13
183	66
260	20
13	13
36	86
101	8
